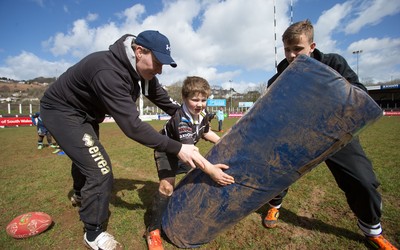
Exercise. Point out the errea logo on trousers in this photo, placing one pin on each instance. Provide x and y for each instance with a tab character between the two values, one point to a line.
96	154
88	140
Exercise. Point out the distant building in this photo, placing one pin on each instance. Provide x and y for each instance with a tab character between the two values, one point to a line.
386	95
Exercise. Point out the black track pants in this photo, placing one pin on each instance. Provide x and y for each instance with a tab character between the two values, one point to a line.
91	166
354	174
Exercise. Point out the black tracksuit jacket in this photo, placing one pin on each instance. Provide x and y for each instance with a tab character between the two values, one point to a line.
106	83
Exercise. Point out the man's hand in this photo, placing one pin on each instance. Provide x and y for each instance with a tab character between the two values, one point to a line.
190	155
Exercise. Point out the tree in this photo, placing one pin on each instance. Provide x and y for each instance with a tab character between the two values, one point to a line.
174	91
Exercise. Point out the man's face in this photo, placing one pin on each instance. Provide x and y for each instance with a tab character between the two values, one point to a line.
300	47
147	64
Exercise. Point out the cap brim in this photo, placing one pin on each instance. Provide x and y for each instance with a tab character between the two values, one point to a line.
164	59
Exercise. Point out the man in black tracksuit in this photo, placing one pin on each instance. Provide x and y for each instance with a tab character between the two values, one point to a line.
350	166
109	82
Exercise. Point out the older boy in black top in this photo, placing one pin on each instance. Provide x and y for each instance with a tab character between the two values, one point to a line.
350	166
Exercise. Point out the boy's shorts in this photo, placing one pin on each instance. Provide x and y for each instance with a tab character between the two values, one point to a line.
169	165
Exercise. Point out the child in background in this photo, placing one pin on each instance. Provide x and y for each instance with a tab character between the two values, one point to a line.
42	131
220	116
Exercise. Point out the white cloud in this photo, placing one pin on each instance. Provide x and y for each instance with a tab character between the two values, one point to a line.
231	34
39	2
92	17
372	13
131	17
227	34
220	40
329	22
379	58
28	66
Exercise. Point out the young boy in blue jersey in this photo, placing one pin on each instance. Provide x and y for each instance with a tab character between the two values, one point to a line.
188	125
42	131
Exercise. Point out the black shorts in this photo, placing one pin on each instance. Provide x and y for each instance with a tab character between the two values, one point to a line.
169	165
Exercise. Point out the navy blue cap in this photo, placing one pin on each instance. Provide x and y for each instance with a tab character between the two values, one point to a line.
158	44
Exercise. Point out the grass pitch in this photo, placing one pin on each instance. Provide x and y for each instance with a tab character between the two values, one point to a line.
315	214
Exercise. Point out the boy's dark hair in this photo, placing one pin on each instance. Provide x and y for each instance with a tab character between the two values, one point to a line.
293	32
194	84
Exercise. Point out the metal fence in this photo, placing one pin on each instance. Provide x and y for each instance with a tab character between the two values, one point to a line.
18	108
31	108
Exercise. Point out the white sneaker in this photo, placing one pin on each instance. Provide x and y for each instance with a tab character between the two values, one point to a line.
104	241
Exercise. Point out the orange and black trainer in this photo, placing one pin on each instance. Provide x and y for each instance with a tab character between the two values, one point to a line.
271	219
154	241
379	242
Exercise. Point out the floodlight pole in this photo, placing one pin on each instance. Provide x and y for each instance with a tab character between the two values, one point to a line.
230	86
357	52
291	11
276	53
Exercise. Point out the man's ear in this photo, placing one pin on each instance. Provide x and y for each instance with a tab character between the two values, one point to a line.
138	51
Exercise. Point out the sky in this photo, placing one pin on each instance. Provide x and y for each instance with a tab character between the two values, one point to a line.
231	43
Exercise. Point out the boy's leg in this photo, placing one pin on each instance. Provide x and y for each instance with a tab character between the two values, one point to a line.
49	139
167	166
153	232
271	219
159	205
354	174
40	141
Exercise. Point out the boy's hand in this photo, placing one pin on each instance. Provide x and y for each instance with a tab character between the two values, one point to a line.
190	155
216	173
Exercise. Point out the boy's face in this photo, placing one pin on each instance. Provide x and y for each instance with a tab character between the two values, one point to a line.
196	104
300	46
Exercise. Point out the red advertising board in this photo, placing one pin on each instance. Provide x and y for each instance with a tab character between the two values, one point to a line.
391	113
15	121
235	115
